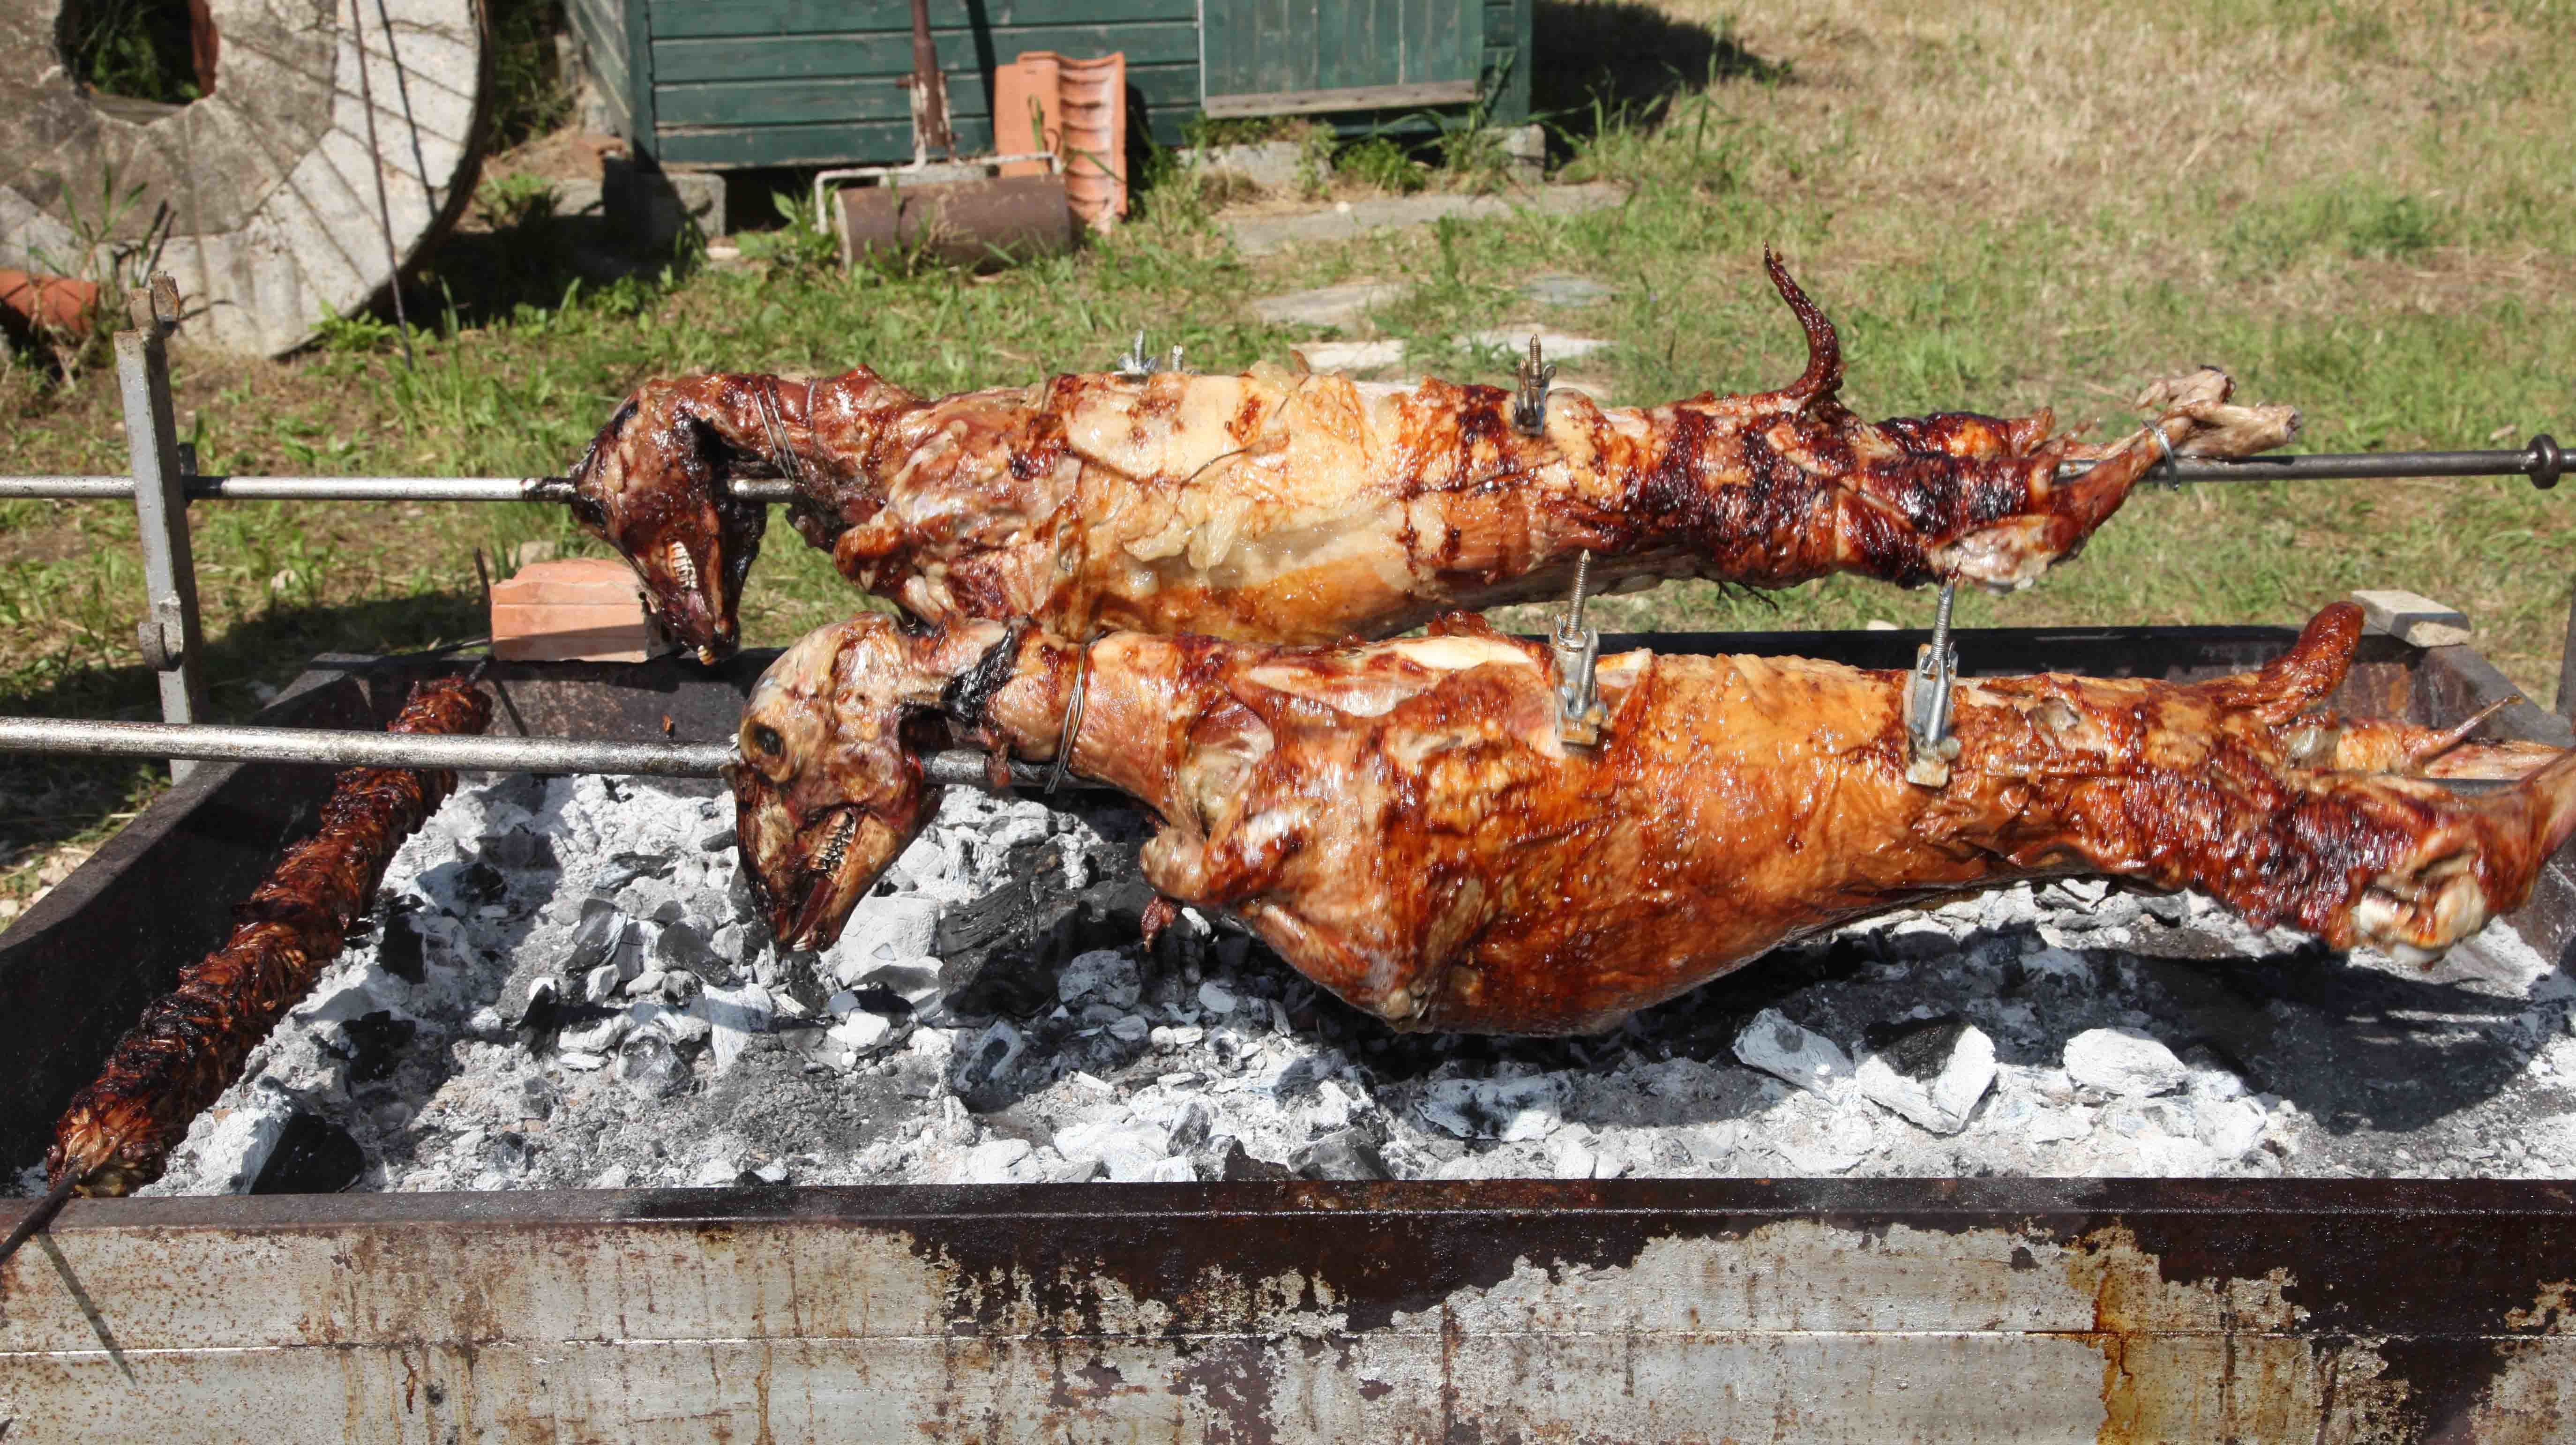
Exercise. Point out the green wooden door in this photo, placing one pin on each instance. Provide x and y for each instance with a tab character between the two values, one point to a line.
1282	57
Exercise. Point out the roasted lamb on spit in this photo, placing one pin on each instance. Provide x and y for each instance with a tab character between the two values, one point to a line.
1282	507
1402	822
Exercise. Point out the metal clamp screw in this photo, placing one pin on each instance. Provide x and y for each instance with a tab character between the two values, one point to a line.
2163	469
1529	407
788	462
1137	362
162	636
1071	731
1580	719
1930	748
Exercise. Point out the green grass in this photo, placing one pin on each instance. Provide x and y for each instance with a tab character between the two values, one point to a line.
2389	263
139	49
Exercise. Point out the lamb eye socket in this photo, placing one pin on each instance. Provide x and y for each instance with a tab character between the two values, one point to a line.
766	739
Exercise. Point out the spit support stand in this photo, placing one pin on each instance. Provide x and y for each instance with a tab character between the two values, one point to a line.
1580	718
1930	749
170	635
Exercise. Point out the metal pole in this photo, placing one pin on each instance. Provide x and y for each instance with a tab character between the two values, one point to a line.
2541	461
169	634
333	748
348	489
379	489
324	747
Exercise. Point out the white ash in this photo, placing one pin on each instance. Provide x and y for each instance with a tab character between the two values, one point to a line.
567	989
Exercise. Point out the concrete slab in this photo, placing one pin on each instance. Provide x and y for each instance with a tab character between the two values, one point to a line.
649	207
1558	288
1271	165
1349	220
1328	305
1348	302
1554	345
1351	355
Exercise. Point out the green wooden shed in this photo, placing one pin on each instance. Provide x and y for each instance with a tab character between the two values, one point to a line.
731	84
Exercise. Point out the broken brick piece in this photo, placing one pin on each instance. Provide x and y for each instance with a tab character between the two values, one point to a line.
572	609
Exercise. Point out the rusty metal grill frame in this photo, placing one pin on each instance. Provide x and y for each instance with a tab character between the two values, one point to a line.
2021	1308
1825	1309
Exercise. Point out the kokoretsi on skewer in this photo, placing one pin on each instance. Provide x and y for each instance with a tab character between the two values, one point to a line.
1402	822
1280	506
191	1043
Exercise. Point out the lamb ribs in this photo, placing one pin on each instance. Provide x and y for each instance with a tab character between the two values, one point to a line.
191	1043
1402	823
1286	507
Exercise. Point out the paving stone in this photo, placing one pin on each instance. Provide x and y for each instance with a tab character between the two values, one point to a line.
1328	305
1263	235
1557	288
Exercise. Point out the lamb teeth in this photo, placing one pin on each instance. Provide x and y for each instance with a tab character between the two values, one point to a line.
683	566
838	844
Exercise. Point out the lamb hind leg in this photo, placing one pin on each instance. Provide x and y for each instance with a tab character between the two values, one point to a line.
2286	815
2194	417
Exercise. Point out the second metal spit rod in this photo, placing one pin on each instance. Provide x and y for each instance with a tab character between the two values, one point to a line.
332	747
327	747
2541	461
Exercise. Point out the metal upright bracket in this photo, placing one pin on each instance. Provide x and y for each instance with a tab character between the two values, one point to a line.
1138	363
1580	718
1930	749
1529	404
171	639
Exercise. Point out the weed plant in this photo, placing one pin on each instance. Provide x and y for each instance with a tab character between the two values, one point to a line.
138	49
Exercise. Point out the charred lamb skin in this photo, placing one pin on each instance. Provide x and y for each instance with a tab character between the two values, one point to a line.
1286	507
192	1042
1401	822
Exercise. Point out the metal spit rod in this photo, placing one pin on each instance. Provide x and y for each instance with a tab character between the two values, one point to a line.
345	489
2541	461
327	747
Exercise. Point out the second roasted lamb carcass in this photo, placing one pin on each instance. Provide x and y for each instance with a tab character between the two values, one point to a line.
1289	507
1402	822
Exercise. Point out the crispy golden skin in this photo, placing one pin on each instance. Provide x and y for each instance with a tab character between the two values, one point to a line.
1283	507
1402	823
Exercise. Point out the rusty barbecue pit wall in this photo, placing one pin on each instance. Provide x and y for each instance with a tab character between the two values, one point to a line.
1817	1310
1784	1309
